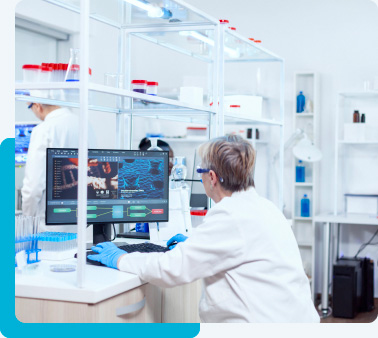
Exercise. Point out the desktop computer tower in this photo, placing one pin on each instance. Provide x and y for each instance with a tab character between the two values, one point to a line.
347	288
367	296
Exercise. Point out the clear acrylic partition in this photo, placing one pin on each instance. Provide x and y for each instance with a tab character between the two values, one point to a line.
134	12
240	49
198	44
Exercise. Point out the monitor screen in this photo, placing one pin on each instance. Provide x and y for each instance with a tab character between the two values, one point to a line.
124	186
23	132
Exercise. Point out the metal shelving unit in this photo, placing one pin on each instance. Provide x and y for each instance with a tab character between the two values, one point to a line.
126	104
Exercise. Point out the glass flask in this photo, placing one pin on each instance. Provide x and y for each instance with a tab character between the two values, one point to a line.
73	69
154	145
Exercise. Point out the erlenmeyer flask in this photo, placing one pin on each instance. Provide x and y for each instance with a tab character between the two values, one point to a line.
73	69
179	170
154	145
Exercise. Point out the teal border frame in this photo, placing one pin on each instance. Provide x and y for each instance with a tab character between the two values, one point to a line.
10	326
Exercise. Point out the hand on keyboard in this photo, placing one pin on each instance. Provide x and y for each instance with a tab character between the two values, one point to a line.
175	240
108	254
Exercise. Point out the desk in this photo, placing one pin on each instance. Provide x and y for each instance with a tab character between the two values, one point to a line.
328	220
109	296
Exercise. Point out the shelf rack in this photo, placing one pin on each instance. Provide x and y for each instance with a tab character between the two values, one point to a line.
131	21
304	227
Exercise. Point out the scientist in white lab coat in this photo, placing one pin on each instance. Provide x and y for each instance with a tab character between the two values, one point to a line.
245	250
59	129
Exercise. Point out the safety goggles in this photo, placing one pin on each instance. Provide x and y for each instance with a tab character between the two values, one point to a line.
201	171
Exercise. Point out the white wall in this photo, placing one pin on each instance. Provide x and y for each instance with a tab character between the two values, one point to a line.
338	39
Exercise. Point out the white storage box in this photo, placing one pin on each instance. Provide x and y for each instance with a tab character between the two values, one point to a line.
361	204
250	106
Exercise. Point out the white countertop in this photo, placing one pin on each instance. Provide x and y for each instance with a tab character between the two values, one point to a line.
100	282
347	219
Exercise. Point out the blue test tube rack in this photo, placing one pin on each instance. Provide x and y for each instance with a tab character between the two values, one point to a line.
30	245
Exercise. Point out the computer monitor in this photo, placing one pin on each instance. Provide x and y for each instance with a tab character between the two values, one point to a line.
23	132
124	186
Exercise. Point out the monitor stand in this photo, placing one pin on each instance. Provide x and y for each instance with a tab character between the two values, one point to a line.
102	232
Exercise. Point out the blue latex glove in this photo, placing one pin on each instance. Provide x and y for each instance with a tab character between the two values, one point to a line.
177	238
108	254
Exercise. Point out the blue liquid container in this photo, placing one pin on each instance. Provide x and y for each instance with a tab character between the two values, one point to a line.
300	172
142	227
305	206
301	101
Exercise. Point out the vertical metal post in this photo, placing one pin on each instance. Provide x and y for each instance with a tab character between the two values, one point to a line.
220	111
326	239
282	120
336	176
121	72
83	142
215	74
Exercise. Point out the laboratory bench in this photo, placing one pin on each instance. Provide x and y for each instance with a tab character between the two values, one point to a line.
108	296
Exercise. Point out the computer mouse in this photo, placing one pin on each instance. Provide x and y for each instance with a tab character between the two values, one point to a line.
172	244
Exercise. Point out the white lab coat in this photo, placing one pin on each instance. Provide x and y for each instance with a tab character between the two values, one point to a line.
60	129
249	260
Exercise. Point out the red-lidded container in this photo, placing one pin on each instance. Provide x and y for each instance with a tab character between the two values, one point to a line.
31	73
196	131
139	86
45	74
152	88
197	217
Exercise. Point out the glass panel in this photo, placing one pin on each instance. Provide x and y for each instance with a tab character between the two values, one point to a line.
240	49
197	44
137	12
162	11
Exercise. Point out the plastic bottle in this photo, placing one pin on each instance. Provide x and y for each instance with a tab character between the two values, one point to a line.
257	134
356	116
301	102
300	172
305	206
363	119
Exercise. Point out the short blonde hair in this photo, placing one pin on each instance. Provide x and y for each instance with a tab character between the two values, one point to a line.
232	158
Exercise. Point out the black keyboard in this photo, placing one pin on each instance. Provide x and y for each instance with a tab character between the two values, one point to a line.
129	248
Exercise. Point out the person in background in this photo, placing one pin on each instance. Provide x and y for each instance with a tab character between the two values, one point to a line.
245	250
59	129
145	143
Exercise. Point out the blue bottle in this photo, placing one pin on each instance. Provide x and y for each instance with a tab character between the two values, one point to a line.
300	172
305	206
301	101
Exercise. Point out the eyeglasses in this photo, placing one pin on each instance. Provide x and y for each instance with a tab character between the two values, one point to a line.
30	105
201	171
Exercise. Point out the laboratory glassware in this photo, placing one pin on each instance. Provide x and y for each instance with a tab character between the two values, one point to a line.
73	69
154	145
